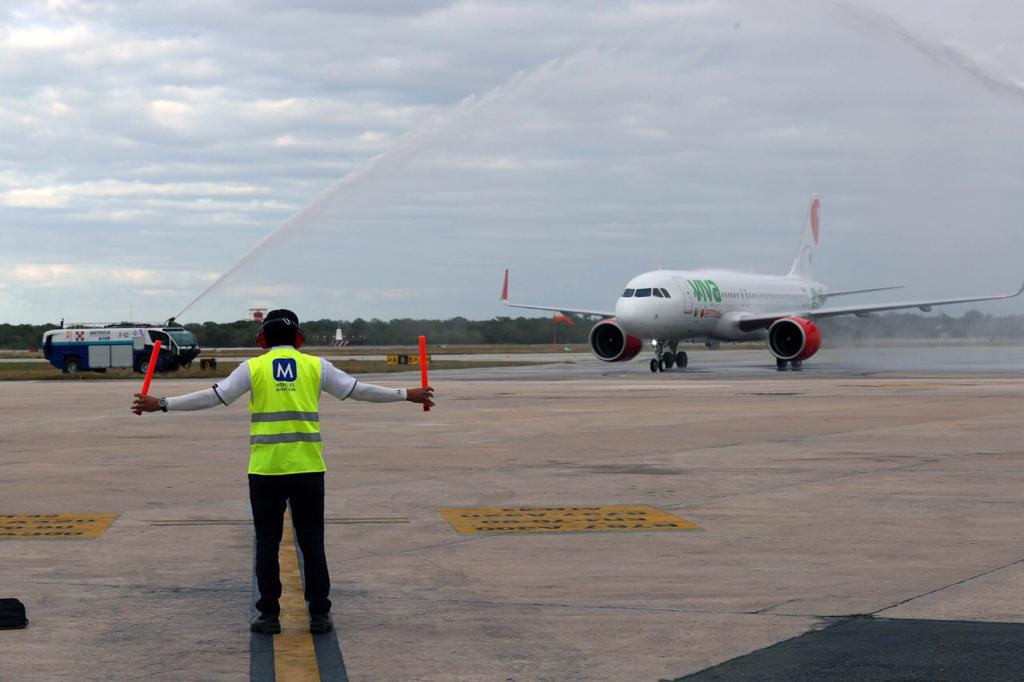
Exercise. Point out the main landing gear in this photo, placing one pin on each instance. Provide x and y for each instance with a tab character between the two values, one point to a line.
667	356
796	365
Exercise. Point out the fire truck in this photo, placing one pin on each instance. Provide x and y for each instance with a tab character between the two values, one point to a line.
99	347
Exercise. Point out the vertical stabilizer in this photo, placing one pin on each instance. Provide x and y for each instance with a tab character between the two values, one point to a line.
803	266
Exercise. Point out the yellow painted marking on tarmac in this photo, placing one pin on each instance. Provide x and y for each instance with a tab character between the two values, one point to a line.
294	655
563	519
54	526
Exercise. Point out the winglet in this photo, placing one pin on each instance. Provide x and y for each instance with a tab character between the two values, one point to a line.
1014	294
504	288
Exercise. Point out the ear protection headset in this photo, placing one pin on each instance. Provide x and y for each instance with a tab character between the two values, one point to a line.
261	337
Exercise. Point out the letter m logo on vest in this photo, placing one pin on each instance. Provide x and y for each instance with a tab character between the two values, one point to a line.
284	369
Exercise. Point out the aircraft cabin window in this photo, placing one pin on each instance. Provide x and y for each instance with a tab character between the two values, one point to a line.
628	293
643	293
658	294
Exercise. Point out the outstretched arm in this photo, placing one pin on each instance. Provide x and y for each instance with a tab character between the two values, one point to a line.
222	393
342	385
380	394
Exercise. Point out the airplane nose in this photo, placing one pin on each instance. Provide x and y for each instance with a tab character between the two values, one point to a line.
628	317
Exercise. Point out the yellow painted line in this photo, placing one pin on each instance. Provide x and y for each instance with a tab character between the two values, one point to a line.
294	655
54	526
564	519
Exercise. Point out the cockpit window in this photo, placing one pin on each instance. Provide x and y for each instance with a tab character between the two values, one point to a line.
641	293
658	294
664	292
628	293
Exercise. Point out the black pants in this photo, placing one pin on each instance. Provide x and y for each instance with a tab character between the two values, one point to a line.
268	496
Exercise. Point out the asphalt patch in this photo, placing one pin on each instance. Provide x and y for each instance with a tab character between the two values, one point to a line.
869	649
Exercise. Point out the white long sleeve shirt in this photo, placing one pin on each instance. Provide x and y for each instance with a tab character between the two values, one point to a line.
332	380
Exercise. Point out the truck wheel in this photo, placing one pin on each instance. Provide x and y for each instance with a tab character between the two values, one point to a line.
144	366
71	365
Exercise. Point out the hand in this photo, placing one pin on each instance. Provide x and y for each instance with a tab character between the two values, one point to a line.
420	395
145	403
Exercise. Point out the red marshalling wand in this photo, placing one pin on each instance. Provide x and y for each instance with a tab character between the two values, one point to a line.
423	367
152	366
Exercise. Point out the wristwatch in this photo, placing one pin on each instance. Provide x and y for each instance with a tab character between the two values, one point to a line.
163	404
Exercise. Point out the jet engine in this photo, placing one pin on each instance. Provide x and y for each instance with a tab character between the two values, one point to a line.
794	338
611	344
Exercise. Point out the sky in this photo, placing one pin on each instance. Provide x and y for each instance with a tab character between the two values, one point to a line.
414	150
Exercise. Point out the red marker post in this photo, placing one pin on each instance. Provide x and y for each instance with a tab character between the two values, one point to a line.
423	367
152	366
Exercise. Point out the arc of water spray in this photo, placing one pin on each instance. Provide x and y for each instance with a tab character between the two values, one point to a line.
406	148
941	53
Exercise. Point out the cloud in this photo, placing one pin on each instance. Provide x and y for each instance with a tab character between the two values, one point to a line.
72	275
43	274
43	197
40	37
63	195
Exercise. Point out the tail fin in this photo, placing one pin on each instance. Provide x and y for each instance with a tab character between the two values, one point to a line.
803	266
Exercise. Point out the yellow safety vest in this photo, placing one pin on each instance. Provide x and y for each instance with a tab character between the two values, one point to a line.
284	436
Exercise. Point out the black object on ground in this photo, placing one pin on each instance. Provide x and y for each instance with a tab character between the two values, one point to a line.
870	649
12	614
265	624
319	623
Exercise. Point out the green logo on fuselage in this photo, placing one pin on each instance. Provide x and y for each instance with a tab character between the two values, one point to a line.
705	290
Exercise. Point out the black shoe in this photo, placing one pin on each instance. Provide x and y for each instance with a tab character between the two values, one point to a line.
320	623
265	624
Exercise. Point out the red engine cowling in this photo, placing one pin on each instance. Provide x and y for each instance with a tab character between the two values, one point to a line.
609	343
794	338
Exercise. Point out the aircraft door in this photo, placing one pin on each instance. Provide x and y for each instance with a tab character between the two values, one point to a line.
689	304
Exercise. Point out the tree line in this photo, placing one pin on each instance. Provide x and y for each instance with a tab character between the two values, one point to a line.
360	332
539	330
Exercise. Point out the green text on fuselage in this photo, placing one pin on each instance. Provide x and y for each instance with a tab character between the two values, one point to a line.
705	290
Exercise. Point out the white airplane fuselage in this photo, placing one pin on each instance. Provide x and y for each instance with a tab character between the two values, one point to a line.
706	304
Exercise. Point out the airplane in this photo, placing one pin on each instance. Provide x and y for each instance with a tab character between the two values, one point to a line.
673	306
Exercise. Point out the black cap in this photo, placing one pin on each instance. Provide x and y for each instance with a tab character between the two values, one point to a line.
282	314
280	327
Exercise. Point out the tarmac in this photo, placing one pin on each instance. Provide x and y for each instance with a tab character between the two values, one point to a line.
857	520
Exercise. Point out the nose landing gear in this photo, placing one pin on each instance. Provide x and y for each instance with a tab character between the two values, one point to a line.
666	356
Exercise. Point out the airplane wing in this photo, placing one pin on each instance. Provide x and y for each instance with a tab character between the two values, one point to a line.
849	292
752	322
553	308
